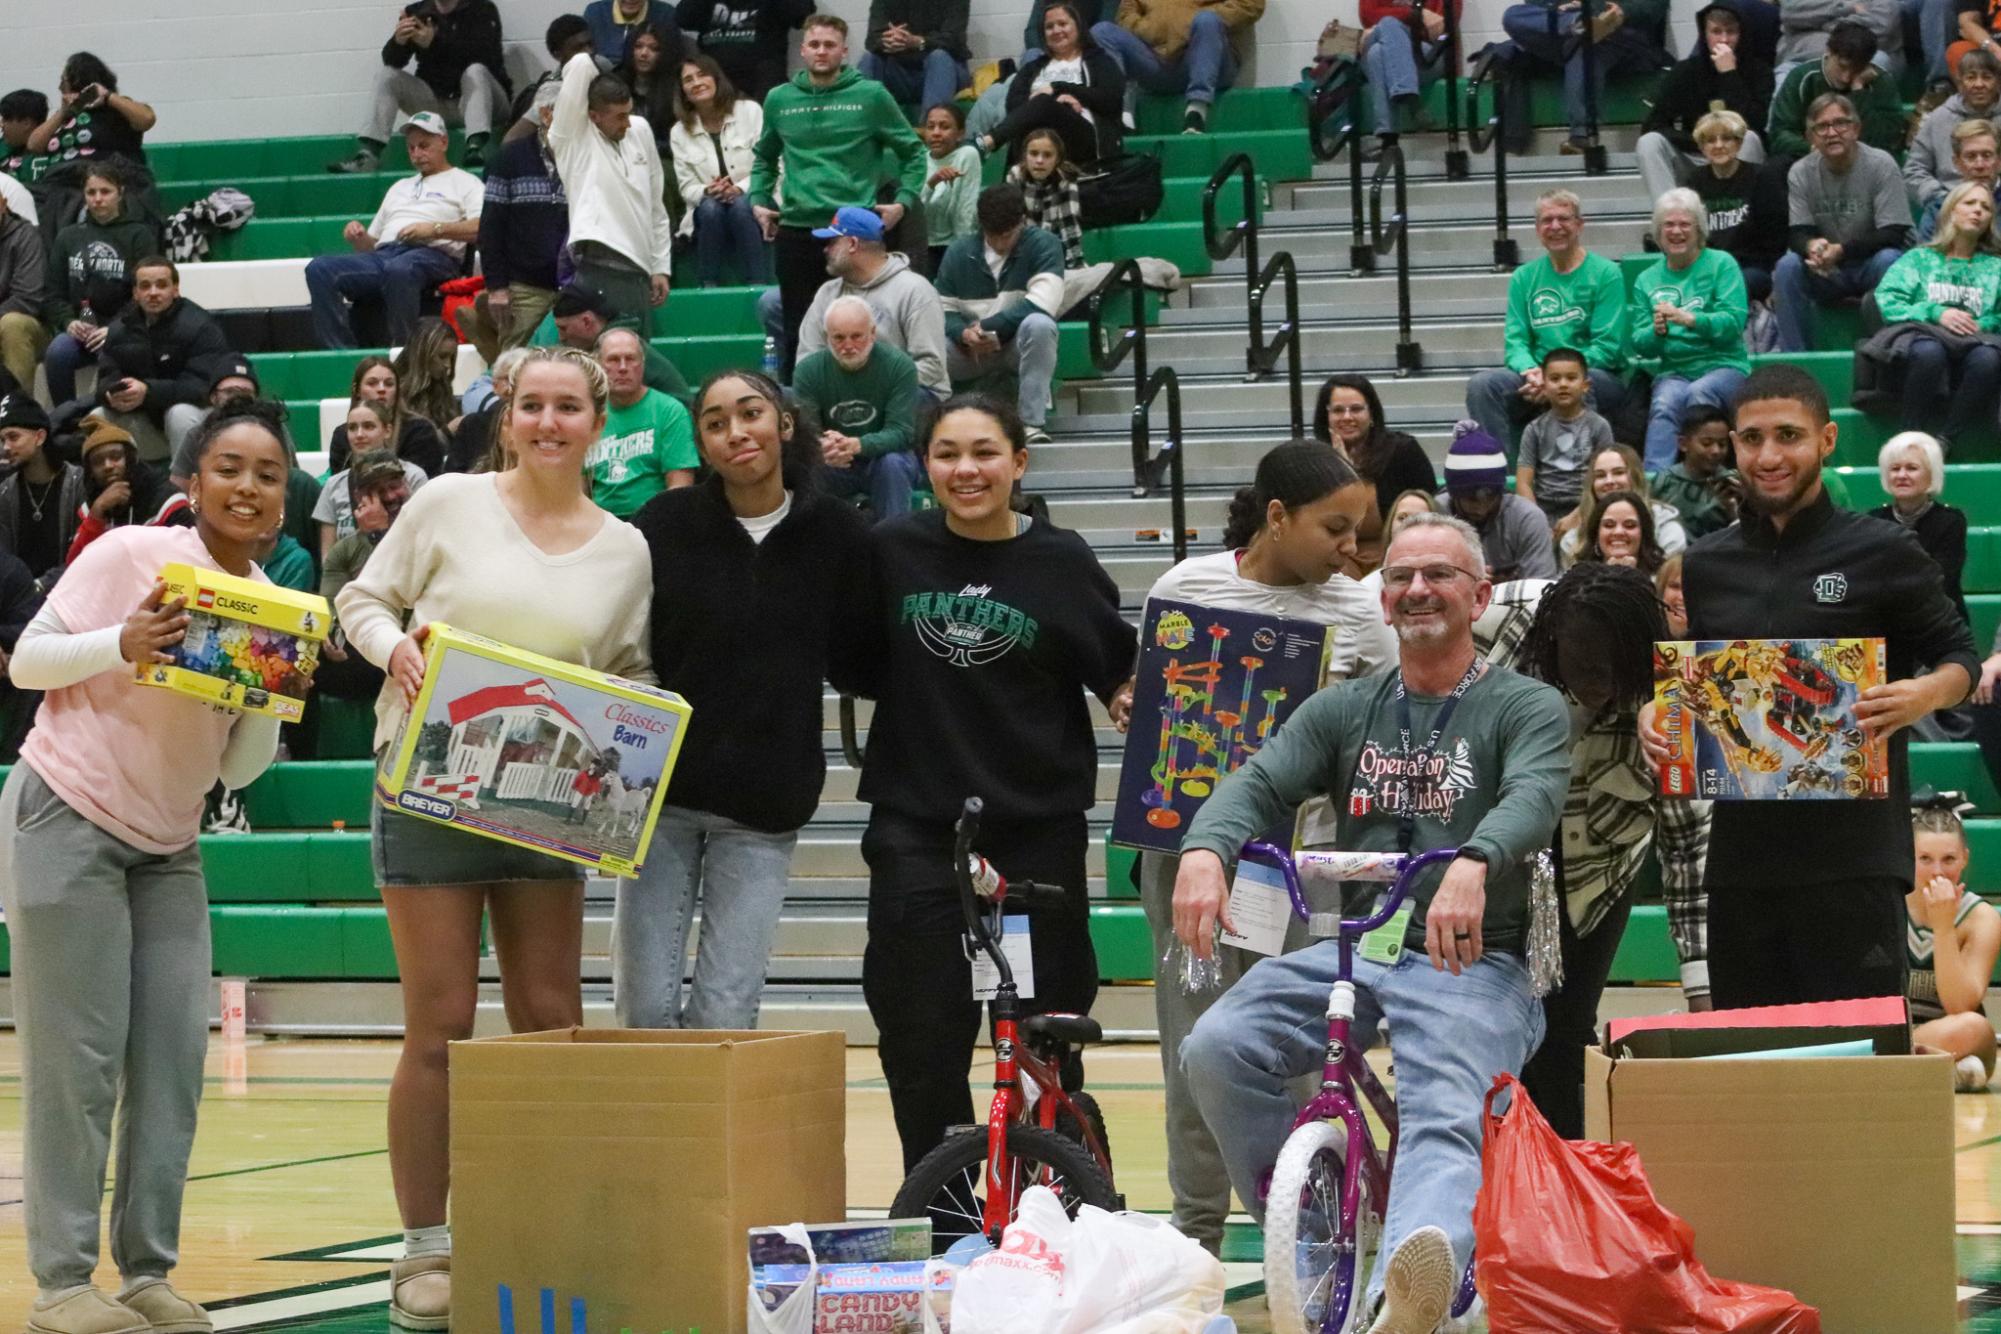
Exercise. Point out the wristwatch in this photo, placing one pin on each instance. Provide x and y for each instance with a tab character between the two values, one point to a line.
437	229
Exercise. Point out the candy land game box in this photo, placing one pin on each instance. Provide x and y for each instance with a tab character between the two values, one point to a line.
535	752
250	646
1769	719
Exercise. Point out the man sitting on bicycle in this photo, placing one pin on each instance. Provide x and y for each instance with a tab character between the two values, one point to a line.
1473	757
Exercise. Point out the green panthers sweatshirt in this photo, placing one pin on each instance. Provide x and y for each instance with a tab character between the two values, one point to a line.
831	141
1924	284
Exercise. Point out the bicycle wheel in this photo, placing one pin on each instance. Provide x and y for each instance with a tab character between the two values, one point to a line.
1066	1124
1315	1266
948	1184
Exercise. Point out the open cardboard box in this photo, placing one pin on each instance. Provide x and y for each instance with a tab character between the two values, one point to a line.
625	1167
1829	1177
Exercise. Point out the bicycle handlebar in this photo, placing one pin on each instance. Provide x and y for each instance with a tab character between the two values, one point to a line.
1401	869
994	888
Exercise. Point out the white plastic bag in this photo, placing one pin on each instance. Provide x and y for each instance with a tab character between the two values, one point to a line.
1104	1273
794	1315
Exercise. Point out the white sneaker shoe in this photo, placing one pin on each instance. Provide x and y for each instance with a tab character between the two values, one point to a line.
1969	1075
1417	1291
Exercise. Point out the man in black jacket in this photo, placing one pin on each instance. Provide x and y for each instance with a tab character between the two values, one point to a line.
153	377
1717	75
1807	903
461	75
917	49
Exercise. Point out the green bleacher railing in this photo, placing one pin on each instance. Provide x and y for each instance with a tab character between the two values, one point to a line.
1261	356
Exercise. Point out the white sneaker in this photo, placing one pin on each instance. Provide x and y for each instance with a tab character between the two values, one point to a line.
1969	1075
1417	1291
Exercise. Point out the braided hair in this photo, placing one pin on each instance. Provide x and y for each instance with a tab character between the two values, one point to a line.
1935	812
1625	615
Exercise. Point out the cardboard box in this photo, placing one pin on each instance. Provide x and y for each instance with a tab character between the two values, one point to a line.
623	1169
1831	1178
535	752
250	646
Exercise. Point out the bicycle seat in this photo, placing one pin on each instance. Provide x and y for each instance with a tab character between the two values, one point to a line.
1079	1030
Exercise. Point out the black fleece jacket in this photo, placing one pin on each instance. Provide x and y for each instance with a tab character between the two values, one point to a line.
746	632
168	355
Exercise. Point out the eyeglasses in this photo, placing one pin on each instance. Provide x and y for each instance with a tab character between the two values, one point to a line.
1831	126
1439	576
1347	409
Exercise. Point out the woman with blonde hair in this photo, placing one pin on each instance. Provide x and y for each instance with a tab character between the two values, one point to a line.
1939	311
524	557
1617	468
1743	198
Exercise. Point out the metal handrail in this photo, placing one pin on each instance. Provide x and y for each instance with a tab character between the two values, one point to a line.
1170	459
1108	354
1489	70
1457	165
1261	356
851	746
1595	160
1391	168
1326	148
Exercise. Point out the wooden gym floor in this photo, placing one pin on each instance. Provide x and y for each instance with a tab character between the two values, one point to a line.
289	1220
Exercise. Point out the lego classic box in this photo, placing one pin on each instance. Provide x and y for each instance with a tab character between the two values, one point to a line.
535	752
251	646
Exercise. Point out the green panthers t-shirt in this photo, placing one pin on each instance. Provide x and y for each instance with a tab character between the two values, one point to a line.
641	444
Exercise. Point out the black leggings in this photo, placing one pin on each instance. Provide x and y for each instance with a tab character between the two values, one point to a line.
800	261
1080	137
1554	1076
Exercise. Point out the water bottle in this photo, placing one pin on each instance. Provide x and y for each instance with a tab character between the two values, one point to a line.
772	360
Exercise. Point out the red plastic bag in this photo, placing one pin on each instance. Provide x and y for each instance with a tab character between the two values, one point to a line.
1568	1237
458	294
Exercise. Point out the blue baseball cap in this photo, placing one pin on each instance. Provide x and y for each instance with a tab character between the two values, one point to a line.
864	224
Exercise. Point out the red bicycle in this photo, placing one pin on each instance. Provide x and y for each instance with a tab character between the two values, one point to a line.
1037	1134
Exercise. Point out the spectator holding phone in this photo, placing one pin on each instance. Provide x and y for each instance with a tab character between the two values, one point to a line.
461	76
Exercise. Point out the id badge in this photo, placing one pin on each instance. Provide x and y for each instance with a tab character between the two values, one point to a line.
1014	944
1385	944
1261	909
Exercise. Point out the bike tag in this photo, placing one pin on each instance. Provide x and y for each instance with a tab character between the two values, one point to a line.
1385	944
1261	909
1014	944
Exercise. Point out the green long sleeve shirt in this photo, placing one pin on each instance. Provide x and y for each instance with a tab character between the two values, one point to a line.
1712	289
1584	309
1496	783
1923	284
877	404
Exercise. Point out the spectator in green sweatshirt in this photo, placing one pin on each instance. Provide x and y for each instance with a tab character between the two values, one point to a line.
1847	69
1949	291
1568	298
828	129
864	395
1003	290
1688	322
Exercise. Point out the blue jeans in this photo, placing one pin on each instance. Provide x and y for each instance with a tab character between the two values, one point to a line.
1452	1035
1674	394
1796	290
396	274
1545	34
932	77
730	231
1494	399
1030	354
1942	402
741	875
1390	65
60	363
886	479
1933	24
1200	70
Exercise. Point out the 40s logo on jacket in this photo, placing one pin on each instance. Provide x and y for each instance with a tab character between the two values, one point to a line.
967	628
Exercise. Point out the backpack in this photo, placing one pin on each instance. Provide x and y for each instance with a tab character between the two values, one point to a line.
1125	189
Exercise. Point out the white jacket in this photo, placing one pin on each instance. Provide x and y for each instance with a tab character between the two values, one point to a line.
695	155
617	191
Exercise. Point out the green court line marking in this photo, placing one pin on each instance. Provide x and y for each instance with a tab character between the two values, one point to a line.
1979	1144
296	1162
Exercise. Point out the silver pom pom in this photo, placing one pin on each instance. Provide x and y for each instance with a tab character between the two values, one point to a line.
1195	976
1545	943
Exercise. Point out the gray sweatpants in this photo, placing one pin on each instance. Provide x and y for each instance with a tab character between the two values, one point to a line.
480	98
111	992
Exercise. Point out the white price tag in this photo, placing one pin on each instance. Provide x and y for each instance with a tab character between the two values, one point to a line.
1261	909
1015	946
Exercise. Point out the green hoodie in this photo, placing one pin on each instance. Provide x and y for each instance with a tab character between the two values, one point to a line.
1924	284
1584	309
1879	106
1713	289
831	140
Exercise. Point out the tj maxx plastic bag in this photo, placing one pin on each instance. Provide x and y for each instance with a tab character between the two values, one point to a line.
1569	1236
1104	1273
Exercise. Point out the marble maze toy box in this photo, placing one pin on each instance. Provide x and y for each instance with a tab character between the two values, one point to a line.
1769	719
250	646
538	753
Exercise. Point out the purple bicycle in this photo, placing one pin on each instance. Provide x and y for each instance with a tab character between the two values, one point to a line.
1327	1193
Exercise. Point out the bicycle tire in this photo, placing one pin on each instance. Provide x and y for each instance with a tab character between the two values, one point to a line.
1304	1203
1094	1117
946	1185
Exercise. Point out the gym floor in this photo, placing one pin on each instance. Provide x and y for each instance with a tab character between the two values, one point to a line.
289	1219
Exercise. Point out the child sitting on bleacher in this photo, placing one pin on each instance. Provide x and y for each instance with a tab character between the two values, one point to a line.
1952	938
1557	446
952	179
1049	188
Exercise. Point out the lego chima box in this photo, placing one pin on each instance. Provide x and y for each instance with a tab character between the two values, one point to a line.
1769	719
250	646
542	754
